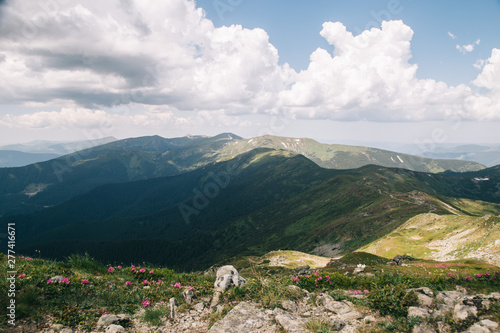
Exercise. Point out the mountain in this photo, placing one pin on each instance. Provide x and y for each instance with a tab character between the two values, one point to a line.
52	182
259	201
334	156
13	158
484	154
56	147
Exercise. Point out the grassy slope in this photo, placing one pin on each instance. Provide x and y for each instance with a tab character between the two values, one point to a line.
443	237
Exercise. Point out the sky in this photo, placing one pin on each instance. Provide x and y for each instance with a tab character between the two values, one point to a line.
356	72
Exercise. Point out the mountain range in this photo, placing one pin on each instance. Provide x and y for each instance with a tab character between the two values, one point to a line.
190	202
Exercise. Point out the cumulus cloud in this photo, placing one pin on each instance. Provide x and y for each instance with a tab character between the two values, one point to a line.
452	35
467	48
369	77
150	52
167	57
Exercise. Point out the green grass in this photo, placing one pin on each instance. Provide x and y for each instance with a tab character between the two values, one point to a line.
80	305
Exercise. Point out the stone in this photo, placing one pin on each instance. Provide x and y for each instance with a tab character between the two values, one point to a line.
290	306
359	269
172	302
57	278
110	319
398	260
334	306
115	329
443	327
370	319
484	325
244	317
66	330
423	328
188	296
57	327
216	298
450	298
349	316
464	312
290	322
337	324
199	306
422	290
227	276
414	311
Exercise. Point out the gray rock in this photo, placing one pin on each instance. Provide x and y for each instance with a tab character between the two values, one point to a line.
57	278
244	317
290	322
423	328
464	312
57	327
422	290
227	276
450	298
188	296
115	329
109	319
337	324
290	306
424	300
334	306
443	327
199	306
172	302
484	325
66	330
351	315
398	260
414	311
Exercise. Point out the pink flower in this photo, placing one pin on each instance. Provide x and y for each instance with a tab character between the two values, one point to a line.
119	267
49	281
316	273
22	257
467	277
320	278
496	272
22	275
146	303
29	258
128	283
105	313
142	270
132	266
65	280
145	282
190	288
110	270
151	272
486	274
450	274
478	275
133	270
176	285
366	291
85	281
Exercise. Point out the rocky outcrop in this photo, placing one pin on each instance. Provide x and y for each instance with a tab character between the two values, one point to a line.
226	277
244	317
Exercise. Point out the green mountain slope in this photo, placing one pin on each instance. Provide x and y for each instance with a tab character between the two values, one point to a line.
275	200
443	237
49	183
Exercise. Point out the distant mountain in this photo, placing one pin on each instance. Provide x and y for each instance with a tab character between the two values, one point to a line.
261	200
12	158
52	182
350	157
56	147
486	155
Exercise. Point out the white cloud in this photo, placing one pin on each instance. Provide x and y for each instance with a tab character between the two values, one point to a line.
467	48
452	35
167	57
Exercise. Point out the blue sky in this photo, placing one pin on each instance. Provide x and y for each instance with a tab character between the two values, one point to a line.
369	72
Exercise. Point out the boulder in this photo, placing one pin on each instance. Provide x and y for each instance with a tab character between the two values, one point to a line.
172	302
289	306
414	311
199	306
398	260
464	312
244	317
423	328
110	319
115	329
227	276
334	306
291	323
484	325
188	296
